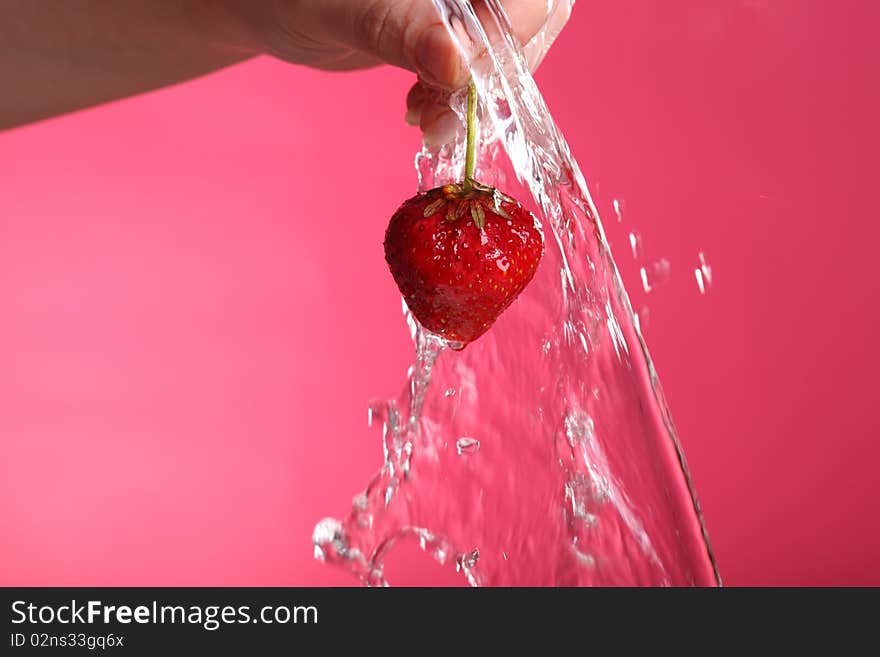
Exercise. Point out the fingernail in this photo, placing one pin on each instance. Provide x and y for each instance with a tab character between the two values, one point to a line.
442	129
437	58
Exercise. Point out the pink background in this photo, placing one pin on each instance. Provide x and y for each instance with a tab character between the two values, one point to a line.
195	311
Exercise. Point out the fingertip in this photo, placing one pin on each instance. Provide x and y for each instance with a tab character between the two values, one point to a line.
420	96
417	95
440	126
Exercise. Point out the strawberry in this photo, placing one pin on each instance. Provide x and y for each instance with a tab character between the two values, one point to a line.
460	255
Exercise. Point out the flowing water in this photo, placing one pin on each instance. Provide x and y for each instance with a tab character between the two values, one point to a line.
543	453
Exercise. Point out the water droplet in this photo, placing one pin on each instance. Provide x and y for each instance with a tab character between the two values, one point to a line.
703	274
375	413
467	445
635	244
504	554
619	208
655	274
450	392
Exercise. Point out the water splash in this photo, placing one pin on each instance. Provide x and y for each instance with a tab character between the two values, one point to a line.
580	479
635	244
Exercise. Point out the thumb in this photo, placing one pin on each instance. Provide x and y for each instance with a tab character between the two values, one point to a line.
404	33
410	34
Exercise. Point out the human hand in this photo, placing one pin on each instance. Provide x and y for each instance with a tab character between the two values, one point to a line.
356	34
89	52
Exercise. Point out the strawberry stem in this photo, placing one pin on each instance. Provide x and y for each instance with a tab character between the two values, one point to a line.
470	157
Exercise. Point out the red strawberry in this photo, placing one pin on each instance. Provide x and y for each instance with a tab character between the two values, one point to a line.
460	255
